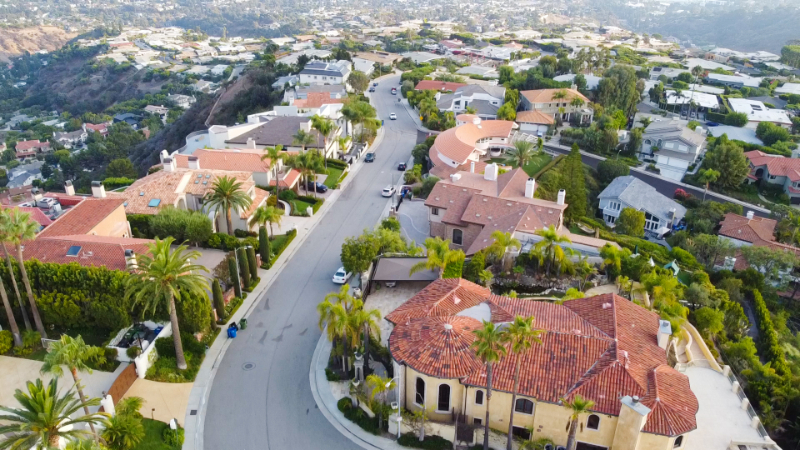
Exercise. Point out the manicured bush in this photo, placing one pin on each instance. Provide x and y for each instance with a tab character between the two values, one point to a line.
31	340
771	347
223	241
244	270
280	247
252	264
244	233
235	279
336	163
431	442
6	341
233	306
316	203
173	438
219	300
358	416
263	244
287	195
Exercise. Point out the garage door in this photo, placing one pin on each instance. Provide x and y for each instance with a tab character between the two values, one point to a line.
585	446
795	200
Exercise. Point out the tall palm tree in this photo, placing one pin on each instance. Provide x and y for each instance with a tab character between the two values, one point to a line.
489	348
358	113
707	176
226	194
12	321
76	355
380	386
7	237
365	321
325	127
612	259
308	164
264	215
335	315
521	154
342	141
503	241
303	138
439	256
520	337
164	276
22	228
579	406
45	417
275	155
551	247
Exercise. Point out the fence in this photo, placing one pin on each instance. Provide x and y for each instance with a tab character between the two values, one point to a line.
149	356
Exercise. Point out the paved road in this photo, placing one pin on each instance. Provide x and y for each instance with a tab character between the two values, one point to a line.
270	407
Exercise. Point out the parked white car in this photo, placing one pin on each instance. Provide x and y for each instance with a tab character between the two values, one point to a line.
392	116
341	276
388	191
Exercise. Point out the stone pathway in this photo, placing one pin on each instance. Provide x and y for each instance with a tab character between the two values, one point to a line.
162	401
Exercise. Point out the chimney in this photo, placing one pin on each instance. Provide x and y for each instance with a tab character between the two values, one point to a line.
750	215
632	417
130	260
664	333
163	155
472	167
98	190
251	143
562	195
36	193
476	121
194	163
68	188
455	177
530	187
490	174
169	165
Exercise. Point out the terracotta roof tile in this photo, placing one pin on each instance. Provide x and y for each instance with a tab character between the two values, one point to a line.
23	146
315	100
546	95
443	297
37	214
432	85
537	117
83	217
229	160
100	251
458	143
778	166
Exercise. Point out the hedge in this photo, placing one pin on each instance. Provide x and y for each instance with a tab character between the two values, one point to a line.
431	442
316	203
715	117
276	252
337	163
358	416
769	337
548	166
659	253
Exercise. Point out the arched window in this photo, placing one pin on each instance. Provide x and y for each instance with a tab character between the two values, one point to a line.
478	397
658	143
678	442
647	142
458	237
524	406
444	398
593	423
419	397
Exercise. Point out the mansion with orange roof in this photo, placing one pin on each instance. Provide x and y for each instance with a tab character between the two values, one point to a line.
604	348
775	169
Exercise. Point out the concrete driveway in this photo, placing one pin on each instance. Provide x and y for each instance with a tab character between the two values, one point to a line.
413	217
209	258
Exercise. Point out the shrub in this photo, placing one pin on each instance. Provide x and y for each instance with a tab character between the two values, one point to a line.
427	187
219	301
133	352
252	265
431	442
244	269
263	244
244	233
6	341
391	224
331	375
336	163
232	306
173	438
287	195
30	341
769	337
358	416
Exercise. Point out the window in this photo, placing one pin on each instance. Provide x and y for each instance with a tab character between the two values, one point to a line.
524	406
434	211
522	433
458	237
593	423
478	397
444	398
678	442
419	398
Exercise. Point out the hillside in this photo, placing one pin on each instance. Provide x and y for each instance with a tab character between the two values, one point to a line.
16	41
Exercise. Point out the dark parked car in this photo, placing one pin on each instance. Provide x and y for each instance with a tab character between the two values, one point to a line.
310	186
401	166
712	124
372	89
370	157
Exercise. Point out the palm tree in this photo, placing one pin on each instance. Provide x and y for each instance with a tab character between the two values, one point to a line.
485	278
521	154
550	246
366	321
325	127
75	354
164	276
380	386
45	417
488	347
358	113
275	155
336	317
21	228
707	176
125	429
579	406
520	336
439	256
503	241
12	322
342	141
226	194
612	258
303	138
308	164
536	444
264	215
623	284
584	269
7	237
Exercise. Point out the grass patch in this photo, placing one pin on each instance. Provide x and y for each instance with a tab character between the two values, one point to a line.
165	369
153	429
358	416
299	207
334	174
431	442
533	167
685	277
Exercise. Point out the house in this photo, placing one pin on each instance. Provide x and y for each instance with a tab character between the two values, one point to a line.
101	128
604	348
99	215
206	87
733	81
660	211
278	130
592	81
320	72
182	101
363	65
160	111
554	101
382	58
692	101
458	148
441	86
286	80
421	57
757	112
27	149
238	161
749	230
485	100
776	169
534	122
314	101
670	73
71	139
481	71
334	90
674	146
219	69
788	88
129	118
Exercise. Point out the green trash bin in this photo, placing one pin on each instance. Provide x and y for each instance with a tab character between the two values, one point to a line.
243	324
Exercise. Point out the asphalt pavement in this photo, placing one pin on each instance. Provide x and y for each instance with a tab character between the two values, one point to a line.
260	397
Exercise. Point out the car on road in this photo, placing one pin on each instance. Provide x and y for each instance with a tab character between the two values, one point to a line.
712	124
401	166
370	157
341	276
316	186
372	89
394	91
388	191
392	116
374	84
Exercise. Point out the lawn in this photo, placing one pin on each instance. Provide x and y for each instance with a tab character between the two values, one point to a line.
152	437
532	167
334	174
277	242
299	207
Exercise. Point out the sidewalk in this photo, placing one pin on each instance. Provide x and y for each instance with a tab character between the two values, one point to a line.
194	421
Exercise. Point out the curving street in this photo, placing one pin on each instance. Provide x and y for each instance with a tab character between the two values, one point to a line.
270	405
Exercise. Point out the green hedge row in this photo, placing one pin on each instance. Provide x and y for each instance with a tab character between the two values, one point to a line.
358	416
277	251
715	117
548	166
337	163
769	337
316	203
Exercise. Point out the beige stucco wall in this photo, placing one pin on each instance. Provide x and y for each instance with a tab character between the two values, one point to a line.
656	441
115	224
432	394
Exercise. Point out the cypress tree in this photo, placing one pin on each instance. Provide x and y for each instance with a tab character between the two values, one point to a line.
244	271
237	283
263	245
251	261
219	300
574	182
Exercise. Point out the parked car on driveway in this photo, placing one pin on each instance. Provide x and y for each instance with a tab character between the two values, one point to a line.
388	191
370	157
318	187
341	276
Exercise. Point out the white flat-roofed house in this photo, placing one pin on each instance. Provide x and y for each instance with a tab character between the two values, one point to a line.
320	72
484	99
678	147
757	112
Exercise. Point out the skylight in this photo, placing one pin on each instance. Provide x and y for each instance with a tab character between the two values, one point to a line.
154	202
74	250
141	194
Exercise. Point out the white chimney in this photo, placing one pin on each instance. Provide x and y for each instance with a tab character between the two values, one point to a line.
69	188
476	121
163	155
750	215
455	177
98	190
664	333
562	195
472	167
194	163
130	260
169	165
36	193
251	143
530	187
490	173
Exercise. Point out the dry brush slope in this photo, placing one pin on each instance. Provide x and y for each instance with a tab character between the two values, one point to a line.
15	41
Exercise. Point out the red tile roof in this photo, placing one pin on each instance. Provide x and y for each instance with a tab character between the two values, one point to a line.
94	250
537	117
758	231
83	217
603	348
315	100
458	143
778	166
38	215
432	85
23	146
241	161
